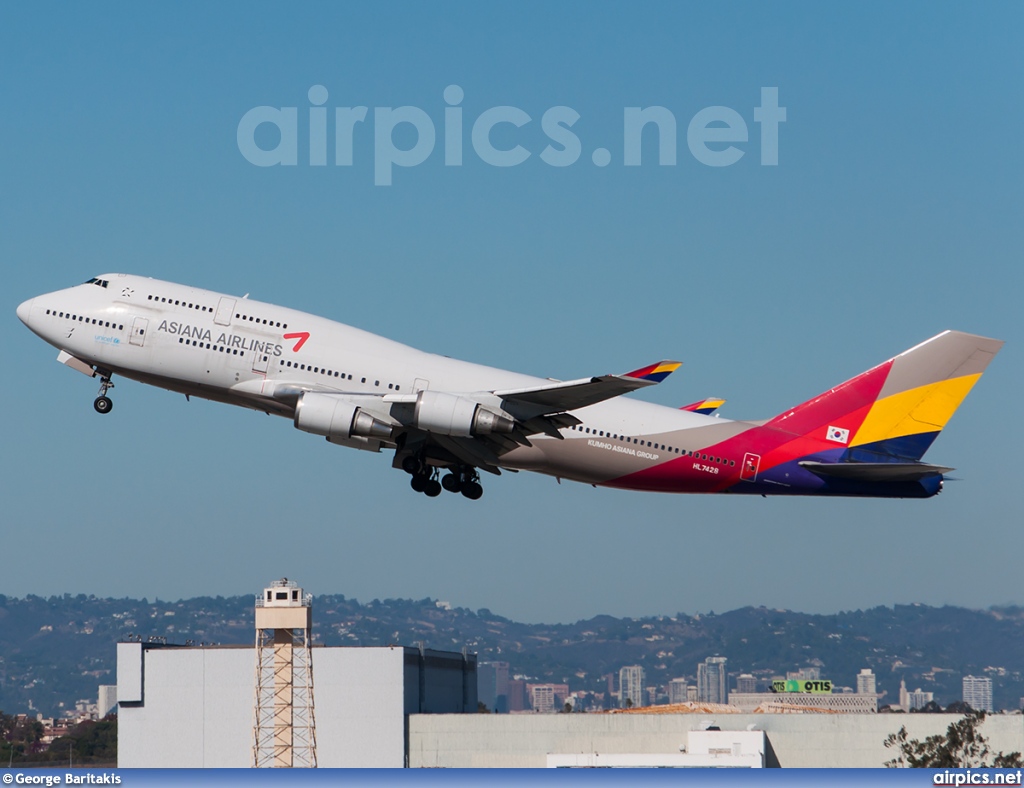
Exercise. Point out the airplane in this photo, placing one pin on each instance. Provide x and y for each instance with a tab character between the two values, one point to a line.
446	420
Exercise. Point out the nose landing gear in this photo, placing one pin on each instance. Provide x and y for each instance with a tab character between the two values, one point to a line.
103	403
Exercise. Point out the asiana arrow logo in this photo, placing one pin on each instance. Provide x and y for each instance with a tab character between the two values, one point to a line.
302	336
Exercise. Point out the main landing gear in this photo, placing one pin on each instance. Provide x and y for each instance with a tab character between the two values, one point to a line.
103	403
463	479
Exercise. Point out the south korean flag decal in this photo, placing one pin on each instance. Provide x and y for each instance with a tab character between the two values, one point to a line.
838	435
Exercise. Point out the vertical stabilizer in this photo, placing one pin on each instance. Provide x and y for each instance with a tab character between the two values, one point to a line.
893	412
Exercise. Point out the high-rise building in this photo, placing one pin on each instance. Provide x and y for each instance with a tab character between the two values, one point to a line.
978	692
492	685
631	687
745	682
805	674
918	699
516	695
107	700
866	682
713	681
677	691
547	698
542	697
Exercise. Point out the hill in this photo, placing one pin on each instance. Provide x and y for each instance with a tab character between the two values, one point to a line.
55	651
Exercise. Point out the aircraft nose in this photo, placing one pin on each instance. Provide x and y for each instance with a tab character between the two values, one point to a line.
25	311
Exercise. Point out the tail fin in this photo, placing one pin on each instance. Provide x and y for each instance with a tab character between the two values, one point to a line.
894	411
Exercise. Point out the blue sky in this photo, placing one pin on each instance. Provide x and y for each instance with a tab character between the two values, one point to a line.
894	213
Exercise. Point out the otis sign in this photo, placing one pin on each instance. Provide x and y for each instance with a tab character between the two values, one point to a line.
820	687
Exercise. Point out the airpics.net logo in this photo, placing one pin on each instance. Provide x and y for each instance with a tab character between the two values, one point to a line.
715	136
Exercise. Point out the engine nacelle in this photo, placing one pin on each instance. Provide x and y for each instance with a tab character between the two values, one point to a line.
448	414
334	417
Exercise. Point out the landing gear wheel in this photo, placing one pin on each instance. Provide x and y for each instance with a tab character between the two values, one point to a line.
472	490
419	482
451	483
411	465
103	404
433	488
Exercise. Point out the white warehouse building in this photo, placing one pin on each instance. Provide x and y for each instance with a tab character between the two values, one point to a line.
193	707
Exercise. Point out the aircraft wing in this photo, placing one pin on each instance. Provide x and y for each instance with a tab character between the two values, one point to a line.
573	394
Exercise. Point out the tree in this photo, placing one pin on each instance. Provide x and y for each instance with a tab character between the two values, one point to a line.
87	742
962	746
20	736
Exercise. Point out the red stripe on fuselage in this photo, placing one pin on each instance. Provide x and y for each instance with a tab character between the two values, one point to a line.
796	433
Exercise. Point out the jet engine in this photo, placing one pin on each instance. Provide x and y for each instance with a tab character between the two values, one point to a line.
337	418
448	414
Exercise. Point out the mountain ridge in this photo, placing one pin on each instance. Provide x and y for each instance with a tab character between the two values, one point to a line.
56	650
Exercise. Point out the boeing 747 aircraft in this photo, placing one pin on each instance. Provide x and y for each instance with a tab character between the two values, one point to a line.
445	420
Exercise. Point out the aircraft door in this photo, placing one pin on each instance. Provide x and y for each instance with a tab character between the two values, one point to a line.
261	362
139	327
751	463
225	309
420	385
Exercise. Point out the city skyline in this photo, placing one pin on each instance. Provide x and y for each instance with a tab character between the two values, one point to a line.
55	649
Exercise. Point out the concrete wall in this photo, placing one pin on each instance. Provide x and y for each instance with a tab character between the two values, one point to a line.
795	740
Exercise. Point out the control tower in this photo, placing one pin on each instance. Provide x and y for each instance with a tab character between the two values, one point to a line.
284	733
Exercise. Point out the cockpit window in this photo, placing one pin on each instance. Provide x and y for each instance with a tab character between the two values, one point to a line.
98	282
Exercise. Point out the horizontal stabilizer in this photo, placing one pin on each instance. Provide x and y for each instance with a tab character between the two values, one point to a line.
876	471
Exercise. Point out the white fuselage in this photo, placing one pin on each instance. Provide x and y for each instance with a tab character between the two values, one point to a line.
240	351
